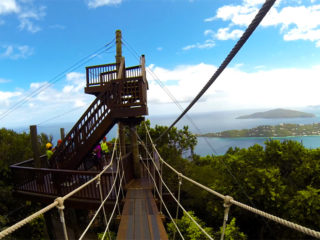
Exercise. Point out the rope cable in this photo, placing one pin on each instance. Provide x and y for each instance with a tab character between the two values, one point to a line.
177	211
102	204
172	195
165	206
253	25
284	222
55	79
114	208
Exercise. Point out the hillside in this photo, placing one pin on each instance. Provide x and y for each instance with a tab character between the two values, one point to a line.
278	113
282	130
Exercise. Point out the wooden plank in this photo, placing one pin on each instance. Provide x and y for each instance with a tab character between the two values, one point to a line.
140	217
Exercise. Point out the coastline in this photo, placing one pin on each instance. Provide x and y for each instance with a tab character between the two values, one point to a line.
261	137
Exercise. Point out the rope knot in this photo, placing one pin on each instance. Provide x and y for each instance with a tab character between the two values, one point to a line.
60	201
227	201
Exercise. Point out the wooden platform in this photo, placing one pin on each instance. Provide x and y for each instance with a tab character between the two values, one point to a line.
140	217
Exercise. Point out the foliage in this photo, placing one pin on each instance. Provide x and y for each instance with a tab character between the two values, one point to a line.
15	147
232	232
188	228
282	179
112	236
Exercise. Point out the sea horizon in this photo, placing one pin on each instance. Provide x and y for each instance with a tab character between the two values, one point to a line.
205	123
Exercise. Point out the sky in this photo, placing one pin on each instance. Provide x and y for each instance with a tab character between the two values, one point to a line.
45	46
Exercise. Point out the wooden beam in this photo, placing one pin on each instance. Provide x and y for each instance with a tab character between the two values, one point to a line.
35	146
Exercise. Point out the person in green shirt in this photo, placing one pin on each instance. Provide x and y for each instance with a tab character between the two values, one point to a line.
104	148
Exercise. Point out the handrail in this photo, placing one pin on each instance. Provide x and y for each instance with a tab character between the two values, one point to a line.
82	130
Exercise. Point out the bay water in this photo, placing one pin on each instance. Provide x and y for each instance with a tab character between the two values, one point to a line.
211	122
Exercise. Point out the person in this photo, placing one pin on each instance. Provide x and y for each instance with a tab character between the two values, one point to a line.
97	157
104	146
49	151
58	144
105	150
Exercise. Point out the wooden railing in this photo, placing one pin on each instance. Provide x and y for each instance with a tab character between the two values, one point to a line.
84	135
59	182
135	71
93	74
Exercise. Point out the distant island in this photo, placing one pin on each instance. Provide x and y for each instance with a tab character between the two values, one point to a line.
281	130
278	113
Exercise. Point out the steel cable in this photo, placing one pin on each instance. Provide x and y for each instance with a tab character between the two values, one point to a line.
253	25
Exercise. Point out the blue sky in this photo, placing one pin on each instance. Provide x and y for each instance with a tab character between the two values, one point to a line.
184	42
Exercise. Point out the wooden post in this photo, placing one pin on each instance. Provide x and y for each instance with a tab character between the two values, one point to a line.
120	69
122	139
62	136
118	46
135	151
35	146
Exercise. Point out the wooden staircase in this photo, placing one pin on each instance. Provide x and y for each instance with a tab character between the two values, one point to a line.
120	94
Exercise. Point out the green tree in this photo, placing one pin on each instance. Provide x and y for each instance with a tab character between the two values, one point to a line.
188	229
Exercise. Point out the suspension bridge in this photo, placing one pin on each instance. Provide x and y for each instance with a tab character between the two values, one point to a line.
131	186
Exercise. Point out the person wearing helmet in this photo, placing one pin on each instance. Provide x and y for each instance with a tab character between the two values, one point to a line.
49	151
105	150
104	146
58	144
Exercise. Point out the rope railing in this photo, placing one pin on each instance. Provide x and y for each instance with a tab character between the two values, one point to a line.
102	202
229	200
114	208
59	203
172	195
161	199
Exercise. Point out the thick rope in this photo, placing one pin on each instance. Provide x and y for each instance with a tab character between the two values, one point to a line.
253	25
161	199
174	198
21	223
177	211
284	222
18	225
102	204
62	219
114	208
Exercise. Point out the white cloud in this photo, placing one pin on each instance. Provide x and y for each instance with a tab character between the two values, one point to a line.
50	102
16	52
27	17
236	89
2	80
305	27
100	3
207	44
26	12
6	96
225	34
8	6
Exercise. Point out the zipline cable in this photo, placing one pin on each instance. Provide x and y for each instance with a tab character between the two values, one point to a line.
253	25
57	78
167	91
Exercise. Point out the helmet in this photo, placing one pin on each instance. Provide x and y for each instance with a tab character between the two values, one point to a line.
48	145
59	141
104	138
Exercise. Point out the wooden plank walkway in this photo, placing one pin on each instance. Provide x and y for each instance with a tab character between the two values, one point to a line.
140	217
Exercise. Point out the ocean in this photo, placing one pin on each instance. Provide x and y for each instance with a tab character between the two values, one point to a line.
210	122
